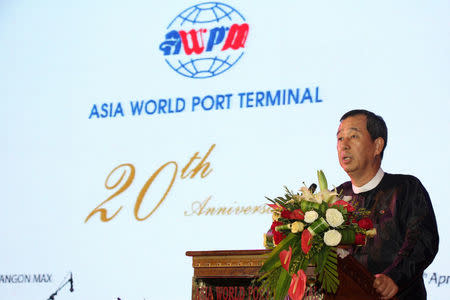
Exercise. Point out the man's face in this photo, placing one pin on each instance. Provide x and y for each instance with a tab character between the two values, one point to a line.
356	149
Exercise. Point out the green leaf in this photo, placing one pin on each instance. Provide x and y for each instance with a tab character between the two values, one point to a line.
282	285
274	256
268	281
332	259
321	259
329	275
287	190
322	181
323	207
270	200
280	202
305	263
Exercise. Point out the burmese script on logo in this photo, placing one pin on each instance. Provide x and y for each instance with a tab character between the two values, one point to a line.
205	40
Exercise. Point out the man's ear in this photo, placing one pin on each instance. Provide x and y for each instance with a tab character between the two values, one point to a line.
379	145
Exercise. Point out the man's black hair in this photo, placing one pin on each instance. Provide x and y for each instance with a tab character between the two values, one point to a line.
375	125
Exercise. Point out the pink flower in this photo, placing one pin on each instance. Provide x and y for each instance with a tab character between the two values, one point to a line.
285	258
298	285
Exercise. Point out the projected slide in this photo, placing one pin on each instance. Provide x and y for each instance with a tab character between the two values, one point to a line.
134	132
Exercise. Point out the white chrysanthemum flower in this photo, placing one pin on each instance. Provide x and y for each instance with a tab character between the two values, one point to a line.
297	227
311	216
332	237
334	217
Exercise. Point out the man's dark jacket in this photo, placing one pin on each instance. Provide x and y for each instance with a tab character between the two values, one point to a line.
407	238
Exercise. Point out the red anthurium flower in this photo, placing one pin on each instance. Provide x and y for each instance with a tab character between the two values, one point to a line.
360	239
306	241
365	223
285	258
345	204
298	285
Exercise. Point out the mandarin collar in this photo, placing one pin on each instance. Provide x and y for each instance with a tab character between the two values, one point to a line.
371	184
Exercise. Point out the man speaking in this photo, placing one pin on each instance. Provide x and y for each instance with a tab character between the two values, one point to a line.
407	237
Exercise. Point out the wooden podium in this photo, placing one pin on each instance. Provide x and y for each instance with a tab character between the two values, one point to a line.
230	274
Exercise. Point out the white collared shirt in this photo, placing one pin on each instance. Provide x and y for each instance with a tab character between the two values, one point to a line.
370	185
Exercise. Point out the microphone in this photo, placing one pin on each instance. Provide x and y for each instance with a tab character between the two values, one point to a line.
312	188
71	282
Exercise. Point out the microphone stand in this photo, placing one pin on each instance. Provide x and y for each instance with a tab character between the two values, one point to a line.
70	280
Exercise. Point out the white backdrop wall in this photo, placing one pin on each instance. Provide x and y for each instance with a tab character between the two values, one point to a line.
61	60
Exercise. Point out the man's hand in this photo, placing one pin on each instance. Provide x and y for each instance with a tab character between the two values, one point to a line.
385	286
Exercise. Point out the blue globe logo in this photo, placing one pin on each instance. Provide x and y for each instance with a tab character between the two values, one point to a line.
205	40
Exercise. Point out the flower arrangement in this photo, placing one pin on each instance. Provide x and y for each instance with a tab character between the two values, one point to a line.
306	230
